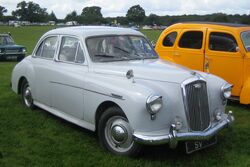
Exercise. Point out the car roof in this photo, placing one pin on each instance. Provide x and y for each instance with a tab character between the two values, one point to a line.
4	35
87	31
215	25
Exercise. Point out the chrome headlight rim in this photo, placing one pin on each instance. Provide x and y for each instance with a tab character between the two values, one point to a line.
153	100
24	50
226	91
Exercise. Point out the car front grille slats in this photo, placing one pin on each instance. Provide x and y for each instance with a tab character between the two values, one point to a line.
197	105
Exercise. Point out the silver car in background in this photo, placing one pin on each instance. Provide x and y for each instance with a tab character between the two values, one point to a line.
110	80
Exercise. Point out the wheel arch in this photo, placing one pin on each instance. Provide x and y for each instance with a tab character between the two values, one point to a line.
102	108
245	93
19	86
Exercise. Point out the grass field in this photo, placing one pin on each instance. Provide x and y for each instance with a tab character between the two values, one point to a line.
37	138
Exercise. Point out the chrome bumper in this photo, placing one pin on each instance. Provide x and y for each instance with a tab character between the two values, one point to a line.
174	137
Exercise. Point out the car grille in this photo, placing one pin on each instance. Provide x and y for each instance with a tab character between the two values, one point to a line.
197	105
12	51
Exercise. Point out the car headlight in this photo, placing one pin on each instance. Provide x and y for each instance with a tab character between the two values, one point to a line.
226	90
24	50
154	104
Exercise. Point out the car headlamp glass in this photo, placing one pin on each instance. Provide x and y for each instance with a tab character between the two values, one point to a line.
154	104
226	90
24	50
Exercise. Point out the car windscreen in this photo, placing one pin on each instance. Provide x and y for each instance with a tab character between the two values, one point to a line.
245	37
119	48
6	40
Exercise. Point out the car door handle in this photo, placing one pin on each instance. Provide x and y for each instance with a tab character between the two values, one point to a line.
176	54
207	58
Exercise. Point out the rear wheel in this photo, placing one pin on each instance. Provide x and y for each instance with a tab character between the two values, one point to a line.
115	133
26	95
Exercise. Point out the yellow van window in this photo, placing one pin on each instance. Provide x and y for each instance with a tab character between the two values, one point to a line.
191	39
219	41
170	39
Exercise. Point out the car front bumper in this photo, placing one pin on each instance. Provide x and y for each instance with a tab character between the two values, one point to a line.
174	136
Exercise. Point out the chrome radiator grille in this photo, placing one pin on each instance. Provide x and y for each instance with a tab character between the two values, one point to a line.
197	105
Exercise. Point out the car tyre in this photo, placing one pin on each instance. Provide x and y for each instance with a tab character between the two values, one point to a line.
26	95
115	133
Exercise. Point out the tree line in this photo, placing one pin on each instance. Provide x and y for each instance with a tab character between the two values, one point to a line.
33	12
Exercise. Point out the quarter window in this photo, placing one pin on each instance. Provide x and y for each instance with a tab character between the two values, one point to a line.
170	39
47	48
80	56
219	41
191	39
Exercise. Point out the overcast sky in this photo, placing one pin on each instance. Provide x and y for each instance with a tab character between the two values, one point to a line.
160	7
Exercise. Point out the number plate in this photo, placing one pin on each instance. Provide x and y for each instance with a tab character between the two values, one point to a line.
11	57
192	146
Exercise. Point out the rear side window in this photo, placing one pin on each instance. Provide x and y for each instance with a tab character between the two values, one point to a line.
225	42
170	39
191	39
47	48
71	50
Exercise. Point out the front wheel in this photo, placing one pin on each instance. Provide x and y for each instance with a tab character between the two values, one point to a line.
115	133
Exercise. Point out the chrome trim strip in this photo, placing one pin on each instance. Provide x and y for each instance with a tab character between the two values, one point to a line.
174	137
109	95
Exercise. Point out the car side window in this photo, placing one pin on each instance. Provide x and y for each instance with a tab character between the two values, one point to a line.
191	40
169	40
219	41
47	48
69	50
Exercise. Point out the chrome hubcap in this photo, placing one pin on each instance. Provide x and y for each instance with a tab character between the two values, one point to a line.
118	134
27	97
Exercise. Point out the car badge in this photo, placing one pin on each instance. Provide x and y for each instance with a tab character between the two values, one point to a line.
197	86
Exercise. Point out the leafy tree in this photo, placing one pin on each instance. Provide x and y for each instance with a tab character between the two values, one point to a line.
71	16
91	15
152	19
220	17
2	11
52	17
136	14
30	12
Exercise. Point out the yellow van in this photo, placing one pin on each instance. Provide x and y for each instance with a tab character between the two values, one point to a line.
219	48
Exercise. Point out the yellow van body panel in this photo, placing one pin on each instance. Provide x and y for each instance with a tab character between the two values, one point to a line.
233	66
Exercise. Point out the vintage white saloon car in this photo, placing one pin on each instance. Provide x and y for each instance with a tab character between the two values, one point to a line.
110	80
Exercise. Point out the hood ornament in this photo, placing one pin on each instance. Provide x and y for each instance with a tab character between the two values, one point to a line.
130	74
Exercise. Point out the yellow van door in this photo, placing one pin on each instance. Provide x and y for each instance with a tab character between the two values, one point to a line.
223	59
190	48
166	44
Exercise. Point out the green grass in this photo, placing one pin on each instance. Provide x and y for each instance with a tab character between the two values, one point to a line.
37	138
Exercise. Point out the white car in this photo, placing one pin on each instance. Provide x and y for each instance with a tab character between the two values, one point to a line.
111	80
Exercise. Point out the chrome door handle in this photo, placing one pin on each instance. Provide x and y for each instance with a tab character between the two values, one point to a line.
176	54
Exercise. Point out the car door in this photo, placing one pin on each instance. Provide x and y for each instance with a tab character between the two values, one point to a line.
190	48
166	44
223	59
67	82
42	61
